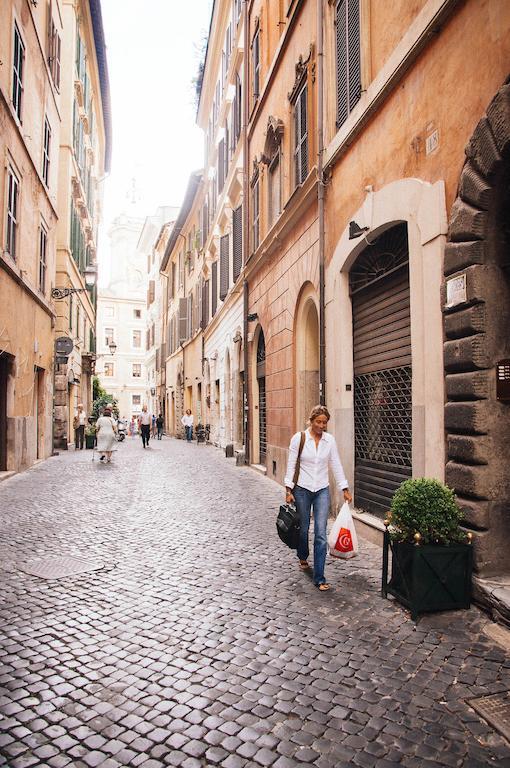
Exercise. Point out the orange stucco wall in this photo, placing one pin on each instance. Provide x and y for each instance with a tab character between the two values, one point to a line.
448	89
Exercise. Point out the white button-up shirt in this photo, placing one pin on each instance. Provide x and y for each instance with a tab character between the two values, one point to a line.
314	462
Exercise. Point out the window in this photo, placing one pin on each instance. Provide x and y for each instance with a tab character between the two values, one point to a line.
54	47
11	238
255	214
108	336
221	165
137	370
255	62
348	58
71	313
136	399
109	311
274	188
301	137
17	72
137	339
224	266
108	369
46	152
214	287
43	240
137	313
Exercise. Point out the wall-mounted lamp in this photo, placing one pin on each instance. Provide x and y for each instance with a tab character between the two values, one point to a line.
355	230
90	276
252	316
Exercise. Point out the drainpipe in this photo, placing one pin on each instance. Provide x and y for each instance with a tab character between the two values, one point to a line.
246	232
320	200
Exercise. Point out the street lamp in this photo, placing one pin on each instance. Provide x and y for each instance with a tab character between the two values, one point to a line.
90	275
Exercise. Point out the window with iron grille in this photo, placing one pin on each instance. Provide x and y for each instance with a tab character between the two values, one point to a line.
224	266
255	62
108	369
214	288
137	370
301	137
11	237
348	58
46	152
54	50
17	72
43	242
255	214
237	240
108	336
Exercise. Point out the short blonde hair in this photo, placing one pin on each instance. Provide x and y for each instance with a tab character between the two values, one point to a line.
318	410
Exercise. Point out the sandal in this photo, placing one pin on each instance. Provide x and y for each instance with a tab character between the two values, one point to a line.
323	587
303	564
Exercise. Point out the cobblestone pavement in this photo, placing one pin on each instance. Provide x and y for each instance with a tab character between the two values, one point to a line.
199	642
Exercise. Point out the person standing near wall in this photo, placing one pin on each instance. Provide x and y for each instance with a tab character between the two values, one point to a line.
79	421
145	426
187	421
159	425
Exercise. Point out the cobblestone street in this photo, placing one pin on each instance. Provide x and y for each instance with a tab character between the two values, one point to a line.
197	641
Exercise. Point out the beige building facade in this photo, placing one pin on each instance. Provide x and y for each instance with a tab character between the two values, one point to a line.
85	149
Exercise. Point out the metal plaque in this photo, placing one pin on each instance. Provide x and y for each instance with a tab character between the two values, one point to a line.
59	567
64	345
503	380
456	292
496	710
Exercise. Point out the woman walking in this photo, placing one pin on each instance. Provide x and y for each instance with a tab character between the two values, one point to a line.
105	432
319	453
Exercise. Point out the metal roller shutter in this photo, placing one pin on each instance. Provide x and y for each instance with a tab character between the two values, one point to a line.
382	370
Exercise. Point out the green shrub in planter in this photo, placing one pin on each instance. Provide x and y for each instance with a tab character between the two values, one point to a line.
427	507
432	557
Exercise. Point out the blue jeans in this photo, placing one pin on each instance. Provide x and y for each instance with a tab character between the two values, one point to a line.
189	433
319	500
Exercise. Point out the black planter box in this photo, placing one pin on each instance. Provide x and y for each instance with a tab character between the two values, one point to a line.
90	441
429	577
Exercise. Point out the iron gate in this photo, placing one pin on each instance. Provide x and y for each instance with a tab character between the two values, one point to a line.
261	380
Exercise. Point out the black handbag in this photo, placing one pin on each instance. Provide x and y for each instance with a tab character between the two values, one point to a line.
287	522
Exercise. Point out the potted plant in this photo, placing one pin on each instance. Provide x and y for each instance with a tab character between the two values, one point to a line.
90	436
432	556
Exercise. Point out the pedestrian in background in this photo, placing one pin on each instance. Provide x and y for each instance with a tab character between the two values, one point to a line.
319	454
105	433
79	421
153	426
187	421
159	425
145	426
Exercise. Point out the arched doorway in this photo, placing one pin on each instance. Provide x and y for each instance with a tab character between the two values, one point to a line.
227	405
261	397
381	318
477	348
307	356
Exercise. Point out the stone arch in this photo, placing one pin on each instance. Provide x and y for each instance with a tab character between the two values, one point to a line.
306	337
476	322
421	206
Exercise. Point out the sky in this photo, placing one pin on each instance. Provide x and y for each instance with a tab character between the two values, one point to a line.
153	49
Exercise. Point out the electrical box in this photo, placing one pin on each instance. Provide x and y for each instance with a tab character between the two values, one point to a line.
503	380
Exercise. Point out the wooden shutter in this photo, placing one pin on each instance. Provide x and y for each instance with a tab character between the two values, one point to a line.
224	266
348	57
152	290
200	303
301	136
214	288
189	318
205	303
237	238
172	280
183	320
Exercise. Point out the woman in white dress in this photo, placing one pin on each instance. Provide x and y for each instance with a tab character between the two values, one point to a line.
106	429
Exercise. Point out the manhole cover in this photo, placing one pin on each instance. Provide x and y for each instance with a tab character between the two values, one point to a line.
496	710
59	567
